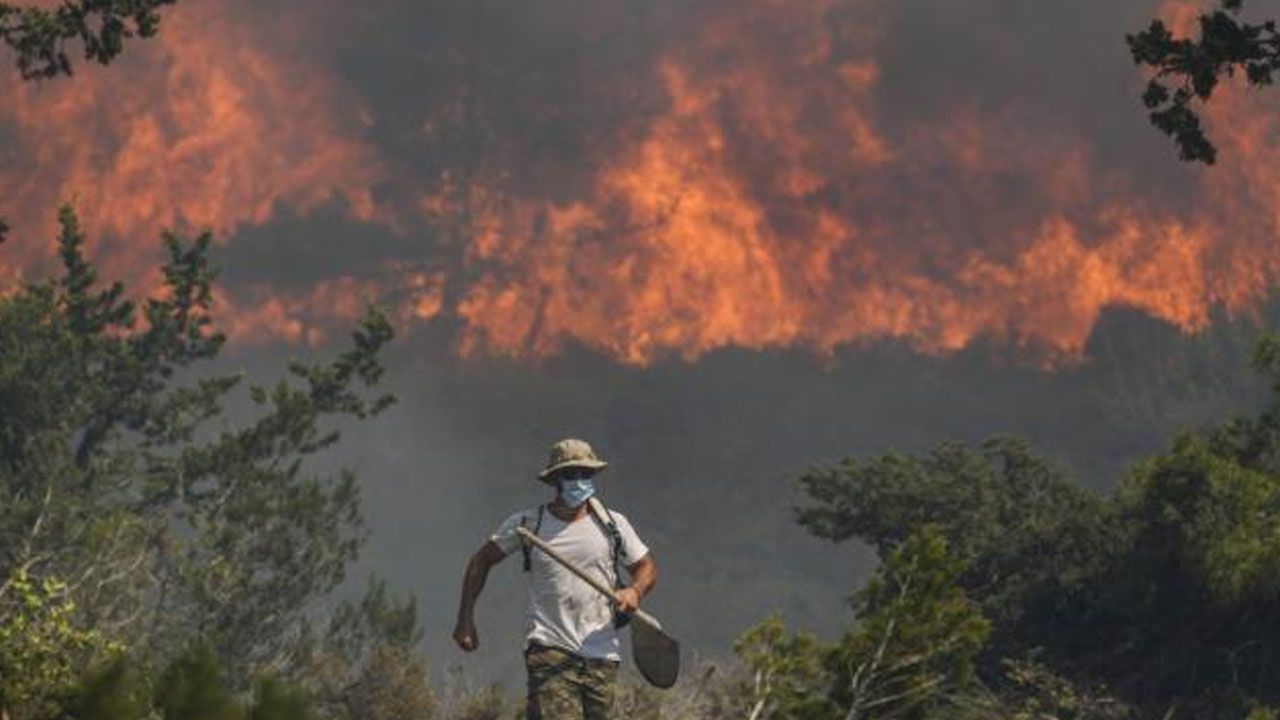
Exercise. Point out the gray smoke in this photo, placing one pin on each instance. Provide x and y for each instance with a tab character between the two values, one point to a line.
702	457
702	454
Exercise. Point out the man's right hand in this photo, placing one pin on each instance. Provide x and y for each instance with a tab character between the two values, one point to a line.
464	634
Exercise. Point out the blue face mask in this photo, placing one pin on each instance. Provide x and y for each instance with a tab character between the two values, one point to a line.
576	492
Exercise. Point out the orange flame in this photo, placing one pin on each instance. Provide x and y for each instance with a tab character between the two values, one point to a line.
263	314
199	127
742	218
770	203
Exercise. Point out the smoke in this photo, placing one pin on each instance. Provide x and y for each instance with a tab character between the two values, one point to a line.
657	180
702	456
722	240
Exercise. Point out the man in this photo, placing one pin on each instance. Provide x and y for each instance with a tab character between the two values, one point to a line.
572	645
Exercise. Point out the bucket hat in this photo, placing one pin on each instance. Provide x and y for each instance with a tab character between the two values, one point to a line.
571	452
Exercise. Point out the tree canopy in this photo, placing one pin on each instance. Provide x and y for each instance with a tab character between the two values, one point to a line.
138	517
1186	71
158	557
1159	597
40	38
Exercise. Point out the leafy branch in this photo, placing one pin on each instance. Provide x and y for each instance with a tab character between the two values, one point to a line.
1187	71
40	37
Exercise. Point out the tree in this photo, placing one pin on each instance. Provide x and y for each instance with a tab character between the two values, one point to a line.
1188	71
1193	598
1032	691
114	690
114	478
1165	592
274	700
42	645
786	677
365	666
1030	539
911	655
914	650
40	37
194	687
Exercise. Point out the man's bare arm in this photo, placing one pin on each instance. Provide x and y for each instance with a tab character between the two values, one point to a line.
464	632
644	575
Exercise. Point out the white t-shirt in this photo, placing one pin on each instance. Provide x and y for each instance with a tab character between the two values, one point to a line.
563	611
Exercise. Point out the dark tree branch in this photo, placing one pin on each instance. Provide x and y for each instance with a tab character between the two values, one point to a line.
40	37
1186	71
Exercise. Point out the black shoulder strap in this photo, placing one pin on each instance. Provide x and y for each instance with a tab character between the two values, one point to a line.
524	546
604	518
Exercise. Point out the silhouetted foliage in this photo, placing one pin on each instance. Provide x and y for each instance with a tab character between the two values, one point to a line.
1187	71
1191	605
121	480
130	525
910	656
998	506
1162	595
40	37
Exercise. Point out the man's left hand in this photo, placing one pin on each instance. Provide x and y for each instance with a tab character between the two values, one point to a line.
628	599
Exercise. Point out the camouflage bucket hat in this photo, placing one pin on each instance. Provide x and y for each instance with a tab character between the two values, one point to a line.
571	452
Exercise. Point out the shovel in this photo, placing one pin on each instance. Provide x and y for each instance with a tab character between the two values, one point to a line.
656	653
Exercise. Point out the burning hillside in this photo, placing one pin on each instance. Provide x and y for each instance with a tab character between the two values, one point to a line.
763	190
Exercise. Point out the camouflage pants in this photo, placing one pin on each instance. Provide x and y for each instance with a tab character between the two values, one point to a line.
563	686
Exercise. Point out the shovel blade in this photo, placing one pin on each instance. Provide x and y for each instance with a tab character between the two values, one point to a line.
656	653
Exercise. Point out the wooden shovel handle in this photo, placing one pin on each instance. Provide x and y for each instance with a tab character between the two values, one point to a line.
607	591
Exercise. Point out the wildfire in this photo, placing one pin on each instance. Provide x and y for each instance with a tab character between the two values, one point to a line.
200	127
765	208
264	314
771	201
